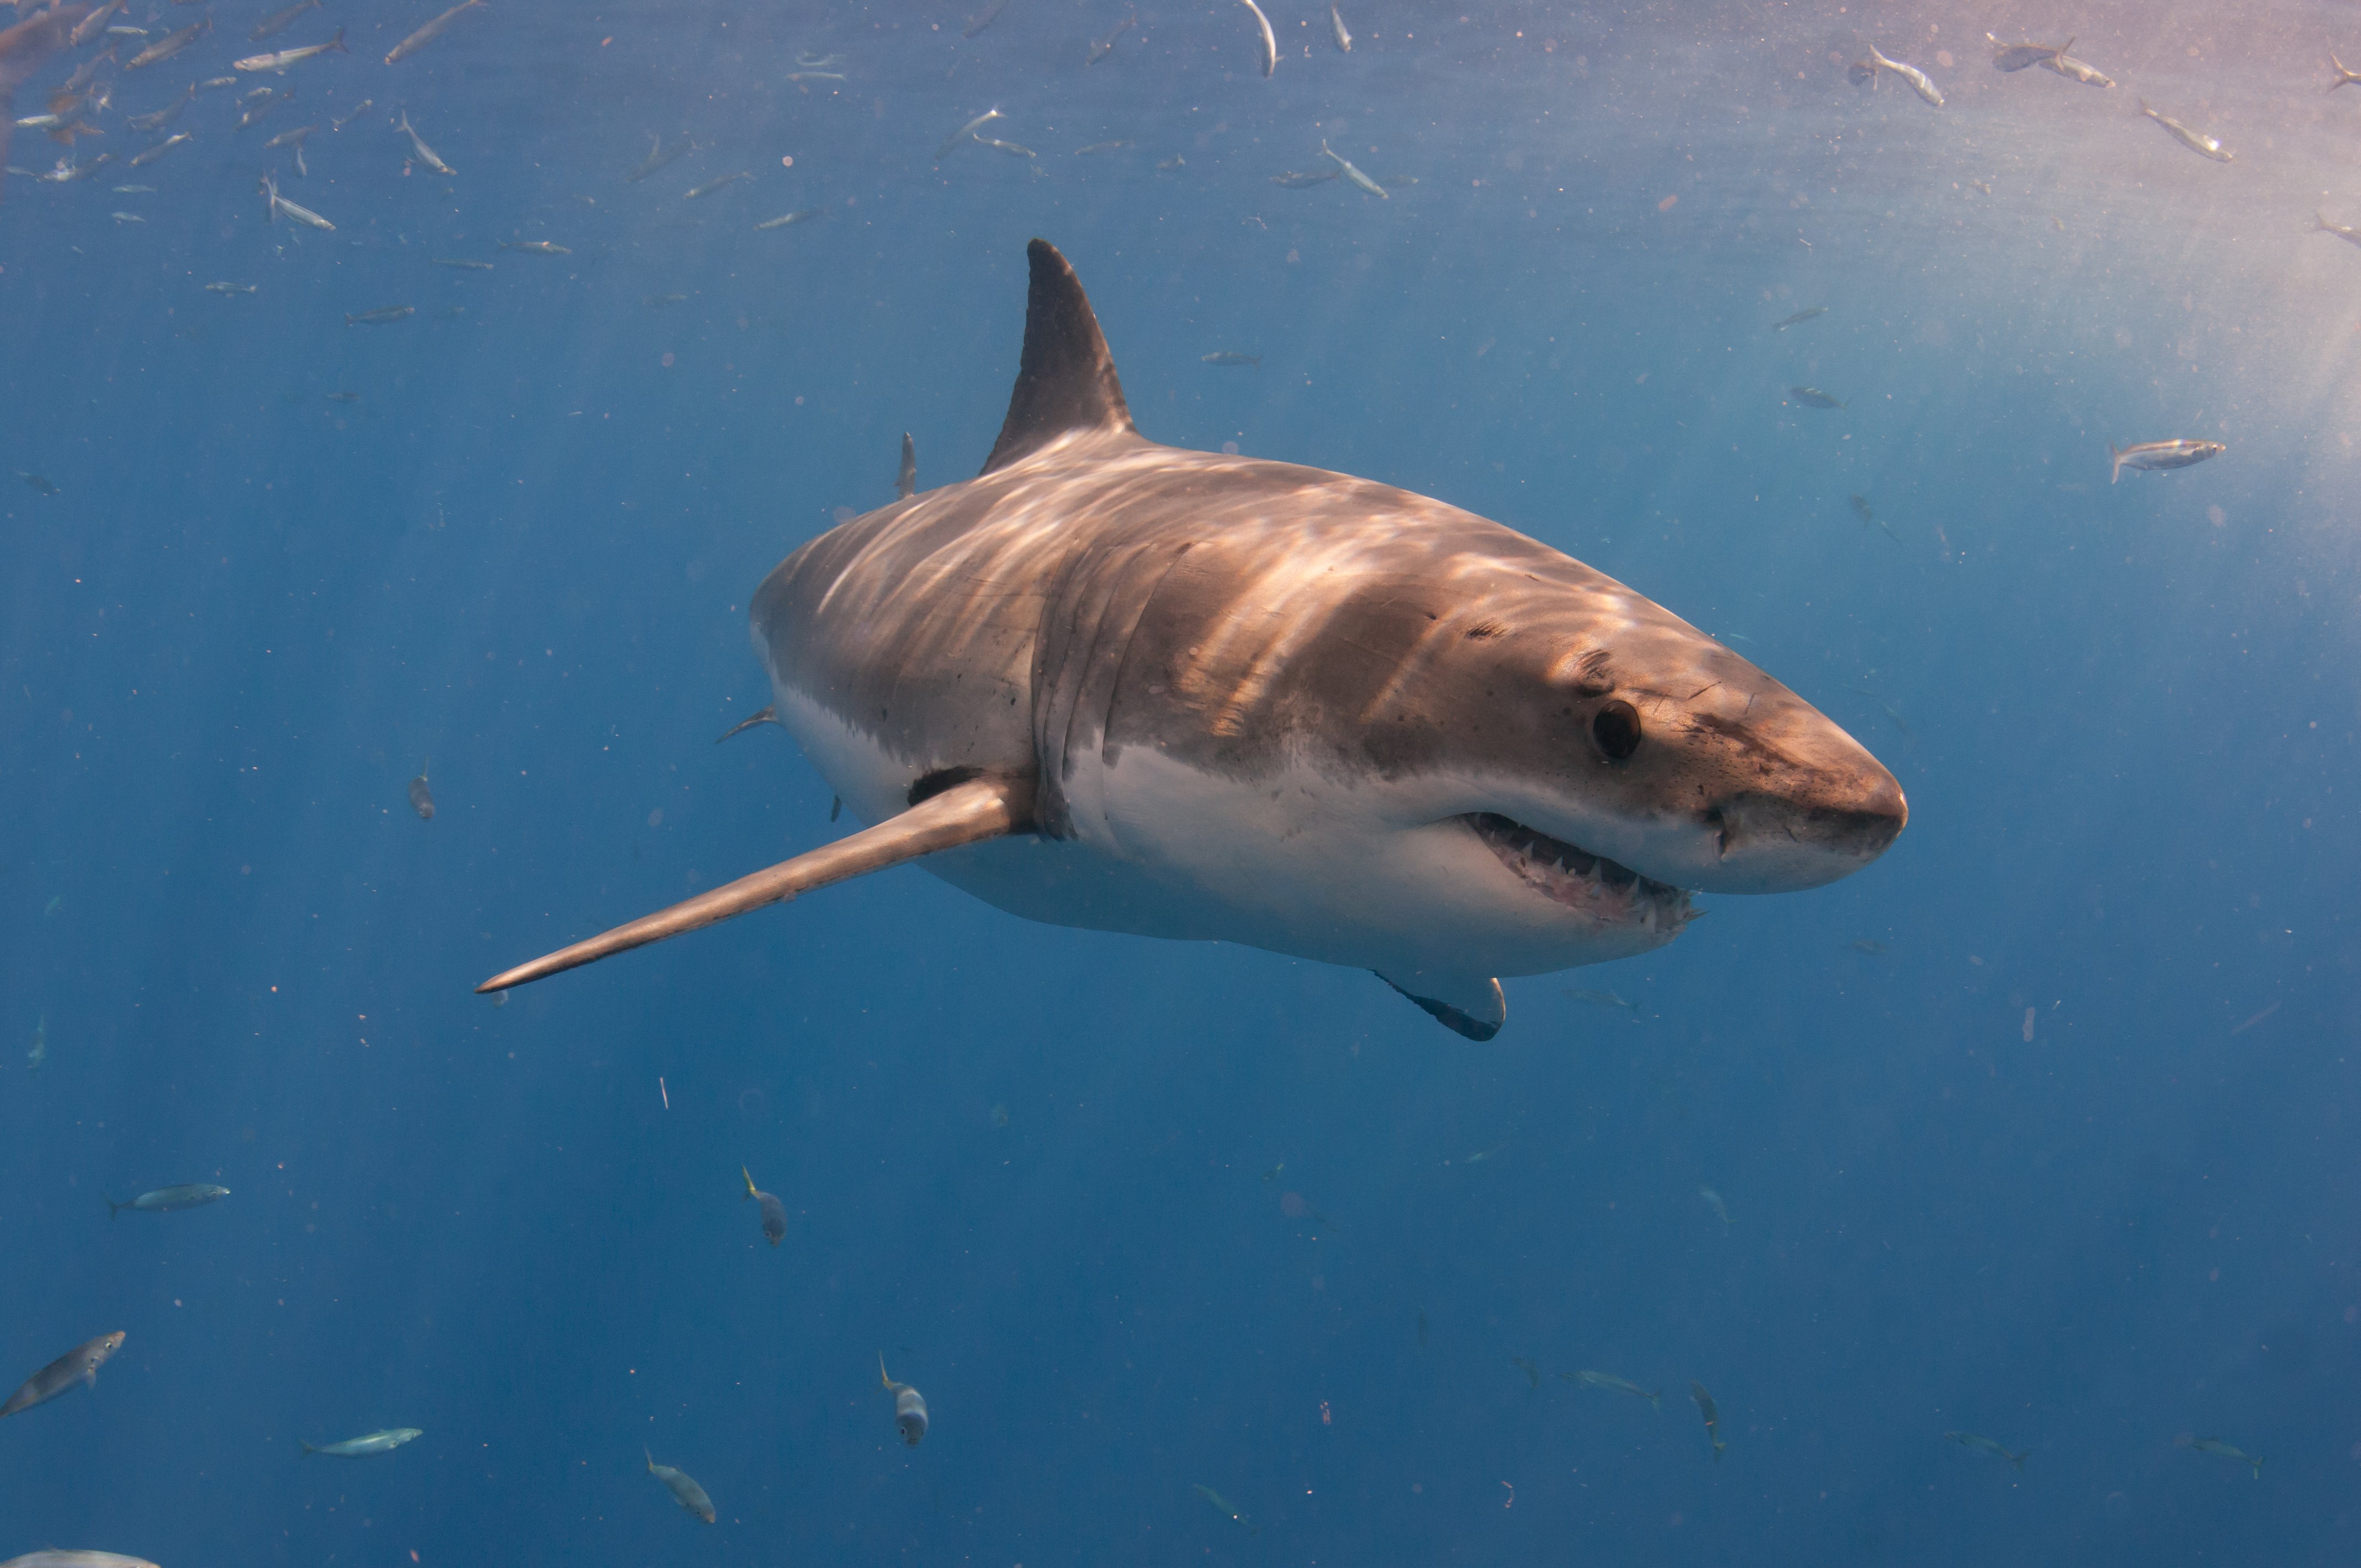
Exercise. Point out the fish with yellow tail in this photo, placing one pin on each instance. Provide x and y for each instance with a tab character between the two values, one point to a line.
909	1405
774	1218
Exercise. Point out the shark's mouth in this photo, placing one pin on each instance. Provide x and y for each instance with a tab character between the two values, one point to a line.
1567	874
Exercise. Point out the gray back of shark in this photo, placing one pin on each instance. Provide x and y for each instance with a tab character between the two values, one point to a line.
1120	685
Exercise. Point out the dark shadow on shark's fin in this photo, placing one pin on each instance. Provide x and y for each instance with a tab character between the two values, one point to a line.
966	812
1475	1008
1066	381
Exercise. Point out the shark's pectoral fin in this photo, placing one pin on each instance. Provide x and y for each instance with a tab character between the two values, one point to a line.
1466	1005
966	812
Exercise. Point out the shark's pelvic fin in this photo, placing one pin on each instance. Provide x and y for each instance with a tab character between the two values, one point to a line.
1066	381
967	813
1472	1006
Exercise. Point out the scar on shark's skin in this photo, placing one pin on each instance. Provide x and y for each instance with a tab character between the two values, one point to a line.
1122	687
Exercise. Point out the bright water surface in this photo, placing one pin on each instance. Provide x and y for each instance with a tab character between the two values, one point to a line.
2035	1129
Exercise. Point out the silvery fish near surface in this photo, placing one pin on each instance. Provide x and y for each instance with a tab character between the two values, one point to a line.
25	48
429	33
1813	397
1301	178
170	1199
683	1487
905	477
2176	454
2018	55
2344	77
909	1405
536	246
165	116
422	798
1337	30
54	1558
715	183
1224	356
1798	318
418	144
1102	48
774	1213
280	21
381	316
170	44
1565	761
1983	1445
1706	1408
76	1366
657	158
1866	73
966	132
1269	42
2222	1450
1713	1202
789	220
281	59
300	214
1615	1384
2320	224
2195	141
2074	70
1344	167
384	1442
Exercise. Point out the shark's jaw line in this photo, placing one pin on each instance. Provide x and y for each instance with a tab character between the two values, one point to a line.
1609	892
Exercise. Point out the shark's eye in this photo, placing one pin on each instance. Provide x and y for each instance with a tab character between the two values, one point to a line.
1616	727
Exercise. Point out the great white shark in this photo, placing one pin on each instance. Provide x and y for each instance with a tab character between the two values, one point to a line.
1120	685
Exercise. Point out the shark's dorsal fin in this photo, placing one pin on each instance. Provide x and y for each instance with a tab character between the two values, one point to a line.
1066	381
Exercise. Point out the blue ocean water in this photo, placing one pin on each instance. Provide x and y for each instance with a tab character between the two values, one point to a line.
2034	1129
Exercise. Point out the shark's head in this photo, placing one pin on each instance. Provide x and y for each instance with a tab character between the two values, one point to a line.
1614	759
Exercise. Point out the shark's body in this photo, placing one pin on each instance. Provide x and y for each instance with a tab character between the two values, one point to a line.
1116	685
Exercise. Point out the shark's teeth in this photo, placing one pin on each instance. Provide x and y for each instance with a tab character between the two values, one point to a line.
1569	874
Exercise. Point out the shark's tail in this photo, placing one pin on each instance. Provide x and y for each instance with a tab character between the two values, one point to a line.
2116	453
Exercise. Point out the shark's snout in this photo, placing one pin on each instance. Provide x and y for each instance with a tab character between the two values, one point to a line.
1786	839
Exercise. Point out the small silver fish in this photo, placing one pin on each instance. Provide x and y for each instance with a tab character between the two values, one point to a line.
169	44
2343	75
170	1199
1983	1444
966	131
2195	141
1098	147
142	158
280	21
301	214
790	220
1798	318
2074	70
127	217
715	183
774	1213
379	317
90	26
1102	48
135	190
1712	1418
163	116
1869	70
429	33
52	1557
463	263
1301	178
422	798
2176	454
1270	40
363	107
2212	1445
1602	999
384	1442
657	158
536	246
1336	27
1224	356
418	144
40	1050
1713	1202
280	61
1012	148
2017	56
2321	225
1813	397
292	139
905	478
1344	167
1614	1385
75	1367
909	1405
683	1487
